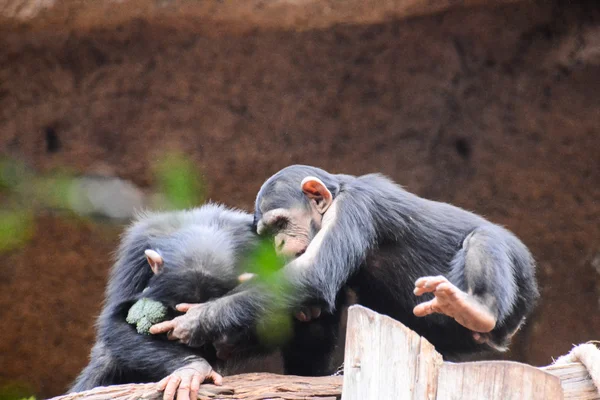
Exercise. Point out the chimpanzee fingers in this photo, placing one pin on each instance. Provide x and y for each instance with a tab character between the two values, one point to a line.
195	386
185	387
426	308
171	388
162	384
306	314
315	312
447	292
428	284
162	327
184	307
481	337
216	378
302	315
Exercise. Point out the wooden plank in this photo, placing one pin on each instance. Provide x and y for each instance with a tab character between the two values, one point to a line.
254	386
496	380
386	360
575	380
231	15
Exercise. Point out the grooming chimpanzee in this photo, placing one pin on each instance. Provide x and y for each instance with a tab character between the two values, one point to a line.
178	258
390	246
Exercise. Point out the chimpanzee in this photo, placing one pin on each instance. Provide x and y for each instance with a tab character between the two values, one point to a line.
476	279
193	256
177	258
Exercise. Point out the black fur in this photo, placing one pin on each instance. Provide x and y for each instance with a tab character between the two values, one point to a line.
383	239
203	250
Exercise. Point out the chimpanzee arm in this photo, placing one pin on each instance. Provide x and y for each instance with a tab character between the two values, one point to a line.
147	355
337	251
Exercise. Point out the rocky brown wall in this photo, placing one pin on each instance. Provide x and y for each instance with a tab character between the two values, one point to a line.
495	110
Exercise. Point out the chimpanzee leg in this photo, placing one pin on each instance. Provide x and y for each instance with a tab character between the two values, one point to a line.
485	268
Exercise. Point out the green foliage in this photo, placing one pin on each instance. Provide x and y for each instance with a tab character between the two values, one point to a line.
54	190
29	190
16	229
275	326
179	181
25	193
265	262
16	391
145	313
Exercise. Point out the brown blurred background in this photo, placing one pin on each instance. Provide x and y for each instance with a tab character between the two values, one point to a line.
494	107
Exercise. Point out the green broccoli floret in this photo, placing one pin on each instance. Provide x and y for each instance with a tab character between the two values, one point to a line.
145	313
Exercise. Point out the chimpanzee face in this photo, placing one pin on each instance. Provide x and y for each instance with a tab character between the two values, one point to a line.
294	226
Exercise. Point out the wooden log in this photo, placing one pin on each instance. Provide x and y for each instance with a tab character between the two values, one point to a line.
575	379
256	386
386	360
208	15
496	380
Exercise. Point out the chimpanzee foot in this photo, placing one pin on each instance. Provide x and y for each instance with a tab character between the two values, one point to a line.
455	303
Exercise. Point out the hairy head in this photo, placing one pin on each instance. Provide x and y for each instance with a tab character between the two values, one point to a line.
290	206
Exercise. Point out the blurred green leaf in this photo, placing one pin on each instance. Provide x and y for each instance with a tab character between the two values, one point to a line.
16	391
53	191
179	181
16	229
275	326
264	261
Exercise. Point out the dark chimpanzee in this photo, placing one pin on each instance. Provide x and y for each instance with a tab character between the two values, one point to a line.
177	258
193	256
367	233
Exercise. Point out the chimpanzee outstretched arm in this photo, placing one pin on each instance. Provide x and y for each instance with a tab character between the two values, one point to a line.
334	254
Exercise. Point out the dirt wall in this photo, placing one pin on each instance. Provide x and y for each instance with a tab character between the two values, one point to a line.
495	110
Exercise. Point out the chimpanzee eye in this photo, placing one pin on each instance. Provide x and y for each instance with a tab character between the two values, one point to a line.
280	223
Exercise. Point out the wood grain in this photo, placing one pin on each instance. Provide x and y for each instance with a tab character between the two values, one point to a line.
386	360
496	380
256	386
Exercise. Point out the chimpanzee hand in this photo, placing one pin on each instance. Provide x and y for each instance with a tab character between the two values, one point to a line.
186	381
190	328
305	314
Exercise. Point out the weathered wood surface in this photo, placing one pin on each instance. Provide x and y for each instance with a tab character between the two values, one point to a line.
386	360
257	386
231	15
576	382
496	380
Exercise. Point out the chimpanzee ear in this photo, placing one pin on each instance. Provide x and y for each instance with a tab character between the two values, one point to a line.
155	260
316	190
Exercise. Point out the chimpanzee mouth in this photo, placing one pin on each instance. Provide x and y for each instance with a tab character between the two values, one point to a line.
298	254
